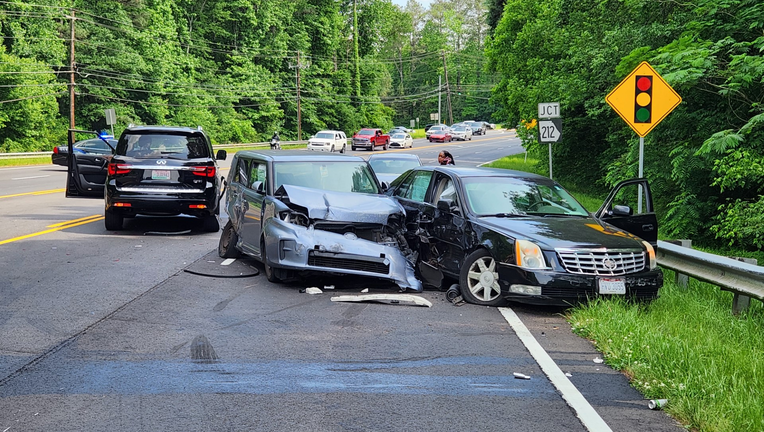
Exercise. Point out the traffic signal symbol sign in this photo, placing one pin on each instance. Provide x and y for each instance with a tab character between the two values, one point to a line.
643	99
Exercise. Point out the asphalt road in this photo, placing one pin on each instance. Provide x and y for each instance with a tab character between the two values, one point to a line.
145	329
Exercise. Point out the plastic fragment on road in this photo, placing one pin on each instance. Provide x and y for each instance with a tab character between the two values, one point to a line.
521	376
656	404
598	360
328	287
568	374
365	290
396	299
313	290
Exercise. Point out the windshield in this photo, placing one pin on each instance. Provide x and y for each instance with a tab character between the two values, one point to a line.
325	135
350	176
514	196
399	136
392	166
366	132
161	145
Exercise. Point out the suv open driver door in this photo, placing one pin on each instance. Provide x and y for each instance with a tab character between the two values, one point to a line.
86	173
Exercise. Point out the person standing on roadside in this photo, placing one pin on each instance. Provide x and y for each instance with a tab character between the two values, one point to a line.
445	158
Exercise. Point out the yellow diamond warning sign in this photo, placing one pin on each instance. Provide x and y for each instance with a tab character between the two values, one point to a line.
643	99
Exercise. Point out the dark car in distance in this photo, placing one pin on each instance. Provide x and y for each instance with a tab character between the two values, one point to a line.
511	235
95	146
163	170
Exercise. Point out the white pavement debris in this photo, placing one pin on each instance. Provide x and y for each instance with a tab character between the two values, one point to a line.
328	287
394	299
313	290
365	290
598	360
138	246
521	376
567	374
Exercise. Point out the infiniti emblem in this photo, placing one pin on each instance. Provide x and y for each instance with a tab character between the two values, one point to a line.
609	264
162	162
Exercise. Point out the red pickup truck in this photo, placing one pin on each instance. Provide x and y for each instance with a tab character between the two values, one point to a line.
369	138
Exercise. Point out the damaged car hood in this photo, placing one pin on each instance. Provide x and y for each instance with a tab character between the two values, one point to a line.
343	206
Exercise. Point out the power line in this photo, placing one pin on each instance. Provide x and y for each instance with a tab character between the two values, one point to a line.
32	97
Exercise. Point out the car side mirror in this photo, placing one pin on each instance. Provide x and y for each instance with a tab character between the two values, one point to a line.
621	210
259	187
221	155
447	206
385	186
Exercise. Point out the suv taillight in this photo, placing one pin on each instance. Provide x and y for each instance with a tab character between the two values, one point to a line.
204	171
115	169
55	150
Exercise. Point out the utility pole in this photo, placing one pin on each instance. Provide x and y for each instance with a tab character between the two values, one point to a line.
71	79
440	90
299	66
448	91
357	75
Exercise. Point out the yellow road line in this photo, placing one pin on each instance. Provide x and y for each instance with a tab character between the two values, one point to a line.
58	227
34	193
73	221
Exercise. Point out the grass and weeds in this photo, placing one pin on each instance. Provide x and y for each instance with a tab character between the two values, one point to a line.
42	160
686	347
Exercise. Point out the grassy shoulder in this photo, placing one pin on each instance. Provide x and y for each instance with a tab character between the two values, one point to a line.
41	160
685	346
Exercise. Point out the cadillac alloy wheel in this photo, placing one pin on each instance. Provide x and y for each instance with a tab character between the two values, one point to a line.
479	279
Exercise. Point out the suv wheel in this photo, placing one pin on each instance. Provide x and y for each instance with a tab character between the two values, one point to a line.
228	240
211	223
113	220
342	150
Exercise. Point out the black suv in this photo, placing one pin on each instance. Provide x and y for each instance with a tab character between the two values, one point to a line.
163	170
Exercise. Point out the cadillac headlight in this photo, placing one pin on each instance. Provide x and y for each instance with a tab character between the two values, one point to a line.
528	255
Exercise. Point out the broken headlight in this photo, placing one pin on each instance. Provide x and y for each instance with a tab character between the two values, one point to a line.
294	218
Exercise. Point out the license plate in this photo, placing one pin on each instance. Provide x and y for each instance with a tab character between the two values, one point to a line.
612	286
160	175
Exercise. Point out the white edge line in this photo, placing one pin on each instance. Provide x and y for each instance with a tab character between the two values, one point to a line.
585	412
32	177
229	261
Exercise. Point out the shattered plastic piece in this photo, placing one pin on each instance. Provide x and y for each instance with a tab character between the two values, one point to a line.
313	290
598	360
365	290
328	287
521	376
403	299
138	246
656	404
567	374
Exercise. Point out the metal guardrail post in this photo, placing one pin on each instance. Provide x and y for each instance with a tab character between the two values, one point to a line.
682	279
743	279
740	302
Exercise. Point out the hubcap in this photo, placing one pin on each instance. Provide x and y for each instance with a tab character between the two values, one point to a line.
483	279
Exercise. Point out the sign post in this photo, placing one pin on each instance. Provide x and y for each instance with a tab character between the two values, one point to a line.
643	99
111	118
550	130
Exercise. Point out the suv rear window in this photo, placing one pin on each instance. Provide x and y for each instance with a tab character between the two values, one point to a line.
160	145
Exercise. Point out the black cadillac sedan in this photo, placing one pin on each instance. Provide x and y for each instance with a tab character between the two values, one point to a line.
511	235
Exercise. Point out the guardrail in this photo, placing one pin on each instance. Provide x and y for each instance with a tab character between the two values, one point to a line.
744	280
216	146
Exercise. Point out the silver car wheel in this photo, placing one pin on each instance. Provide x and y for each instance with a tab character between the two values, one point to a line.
483	279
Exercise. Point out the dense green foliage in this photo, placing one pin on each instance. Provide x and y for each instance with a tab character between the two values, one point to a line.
232	66
705	159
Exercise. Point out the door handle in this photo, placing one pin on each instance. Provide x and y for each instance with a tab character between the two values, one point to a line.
648	227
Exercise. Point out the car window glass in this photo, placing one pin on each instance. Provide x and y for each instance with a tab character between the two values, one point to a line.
163	145
257	173
629	196
242	172
445	190
492	195
351	176
415	187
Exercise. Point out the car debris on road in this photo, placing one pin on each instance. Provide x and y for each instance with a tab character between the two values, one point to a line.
402	299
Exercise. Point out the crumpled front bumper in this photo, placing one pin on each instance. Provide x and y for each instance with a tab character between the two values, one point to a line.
294	247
